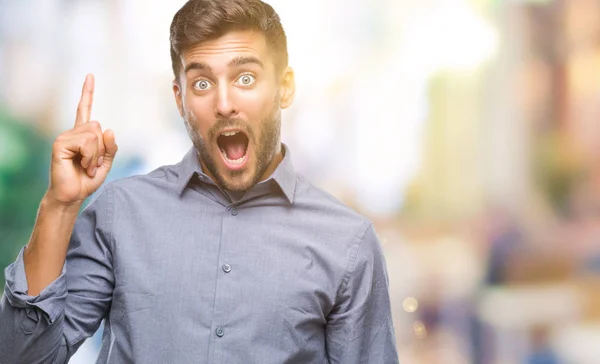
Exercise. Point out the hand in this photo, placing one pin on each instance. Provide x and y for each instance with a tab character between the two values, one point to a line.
82	156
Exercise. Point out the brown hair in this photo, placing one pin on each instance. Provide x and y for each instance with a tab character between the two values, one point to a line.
201	20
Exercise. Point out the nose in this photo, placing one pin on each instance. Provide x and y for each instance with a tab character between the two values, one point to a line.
225	106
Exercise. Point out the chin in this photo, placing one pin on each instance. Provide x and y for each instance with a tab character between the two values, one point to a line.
238	181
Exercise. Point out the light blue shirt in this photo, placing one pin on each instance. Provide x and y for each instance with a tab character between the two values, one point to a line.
181	274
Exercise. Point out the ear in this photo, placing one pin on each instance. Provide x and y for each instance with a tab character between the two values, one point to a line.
177	91
287	88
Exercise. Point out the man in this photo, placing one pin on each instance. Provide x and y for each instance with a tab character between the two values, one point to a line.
226	257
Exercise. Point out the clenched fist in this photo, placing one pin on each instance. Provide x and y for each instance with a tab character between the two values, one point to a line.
82	156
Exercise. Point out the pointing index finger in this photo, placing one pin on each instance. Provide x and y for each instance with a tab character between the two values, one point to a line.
84	109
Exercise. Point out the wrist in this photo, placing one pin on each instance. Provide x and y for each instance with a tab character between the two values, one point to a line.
50	203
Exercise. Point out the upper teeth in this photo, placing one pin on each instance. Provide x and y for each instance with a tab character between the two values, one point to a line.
229	133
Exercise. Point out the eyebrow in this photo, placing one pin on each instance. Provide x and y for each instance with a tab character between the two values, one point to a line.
236	62
242	60
197	66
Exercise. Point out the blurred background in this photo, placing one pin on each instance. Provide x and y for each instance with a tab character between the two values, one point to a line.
467	130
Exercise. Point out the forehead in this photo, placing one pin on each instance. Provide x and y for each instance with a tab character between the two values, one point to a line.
219	51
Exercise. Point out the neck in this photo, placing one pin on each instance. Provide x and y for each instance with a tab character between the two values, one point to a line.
277	158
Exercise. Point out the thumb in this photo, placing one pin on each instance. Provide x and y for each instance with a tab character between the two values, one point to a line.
110	149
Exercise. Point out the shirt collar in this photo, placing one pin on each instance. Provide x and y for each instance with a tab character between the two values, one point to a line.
284	175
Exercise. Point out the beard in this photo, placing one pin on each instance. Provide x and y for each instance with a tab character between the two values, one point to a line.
265	145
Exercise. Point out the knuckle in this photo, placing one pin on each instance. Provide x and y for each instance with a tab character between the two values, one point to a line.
59	142
95	125
56	147
61	137
91	137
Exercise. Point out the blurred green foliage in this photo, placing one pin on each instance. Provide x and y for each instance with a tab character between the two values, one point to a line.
24	162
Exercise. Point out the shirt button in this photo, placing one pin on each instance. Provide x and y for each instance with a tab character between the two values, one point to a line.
226	268
234	211
220	332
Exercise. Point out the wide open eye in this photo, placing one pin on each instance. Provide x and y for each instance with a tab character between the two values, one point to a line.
245	80
202	85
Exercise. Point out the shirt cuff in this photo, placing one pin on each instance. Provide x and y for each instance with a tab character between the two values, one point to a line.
50	301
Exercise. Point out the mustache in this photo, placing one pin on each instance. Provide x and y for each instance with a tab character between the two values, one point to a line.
222	124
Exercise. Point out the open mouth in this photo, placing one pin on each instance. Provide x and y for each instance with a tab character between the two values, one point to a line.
233	145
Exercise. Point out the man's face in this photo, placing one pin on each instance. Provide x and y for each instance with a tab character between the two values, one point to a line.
230	97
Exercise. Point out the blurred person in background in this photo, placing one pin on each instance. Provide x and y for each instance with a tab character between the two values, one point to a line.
228	256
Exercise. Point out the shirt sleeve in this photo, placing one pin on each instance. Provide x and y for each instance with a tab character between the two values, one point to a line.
359	328
49	328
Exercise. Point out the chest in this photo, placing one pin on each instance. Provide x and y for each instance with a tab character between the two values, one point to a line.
241	263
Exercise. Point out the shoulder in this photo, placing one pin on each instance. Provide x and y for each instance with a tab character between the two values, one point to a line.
159	182
329	210
309	194
162	176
